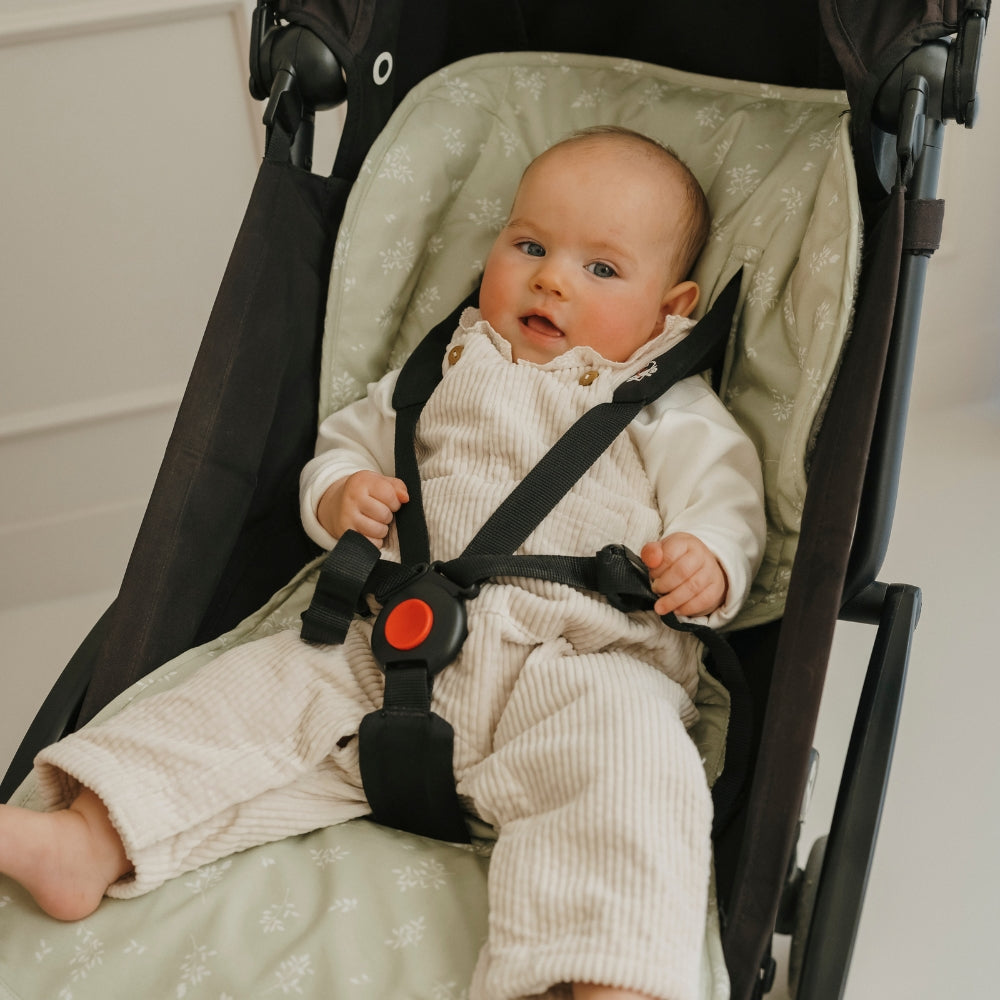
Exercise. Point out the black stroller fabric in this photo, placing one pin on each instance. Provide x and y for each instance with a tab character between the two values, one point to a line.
222	532
224	509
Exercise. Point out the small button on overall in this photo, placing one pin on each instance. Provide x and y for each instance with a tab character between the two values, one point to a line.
454	354
588	378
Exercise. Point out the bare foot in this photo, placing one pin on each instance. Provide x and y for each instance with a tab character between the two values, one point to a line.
65	859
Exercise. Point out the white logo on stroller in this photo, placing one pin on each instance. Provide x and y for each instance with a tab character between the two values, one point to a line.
646	372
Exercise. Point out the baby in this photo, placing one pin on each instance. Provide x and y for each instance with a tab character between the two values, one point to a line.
570	716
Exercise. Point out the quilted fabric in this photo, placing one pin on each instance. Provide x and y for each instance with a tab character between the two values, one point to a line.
775	164
355	910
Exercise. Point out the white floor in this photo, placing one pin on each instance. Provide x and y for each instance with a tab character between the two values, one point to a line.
932	910
932	914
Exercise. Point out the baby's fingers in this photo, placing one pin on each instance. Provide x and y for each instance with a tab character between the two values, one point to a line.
389	492
697	595
372	520
686	575
671	561
376	510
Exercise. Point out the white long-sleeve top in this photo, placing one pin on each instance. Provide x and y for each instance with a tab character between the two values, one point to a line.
480	434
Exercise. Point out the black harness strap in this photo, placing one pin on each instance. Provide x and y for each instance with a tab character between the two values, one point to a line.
418	379
406	750
620	576
406	760
340	590
587	439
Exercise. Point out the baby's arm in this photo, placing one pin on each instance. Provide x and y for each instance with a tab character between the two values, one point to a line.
364	502
357	441
707	478
683	569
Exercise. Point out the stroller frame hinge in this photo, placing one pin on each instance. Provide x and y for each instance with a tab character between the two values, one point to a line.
295	71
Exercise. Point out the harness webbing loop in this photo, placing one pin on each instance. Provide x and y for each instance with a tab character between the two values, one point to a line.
340	589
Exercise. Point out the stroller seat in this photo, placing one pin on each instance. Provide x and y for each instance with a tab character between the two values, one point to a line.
775	165
359	909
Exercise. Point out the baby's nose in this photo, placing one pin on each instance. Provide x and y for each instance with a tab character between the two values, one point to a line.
548	278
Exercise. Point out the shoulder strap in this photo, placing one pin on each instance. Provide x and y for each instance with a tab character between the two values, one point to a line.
577	450
417	380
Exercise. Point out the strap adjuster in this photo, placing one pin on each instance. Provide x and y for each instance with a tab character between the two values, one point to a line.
623	579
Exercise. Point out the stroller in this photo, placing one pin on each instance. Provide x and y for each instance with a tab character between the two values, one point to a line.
229	499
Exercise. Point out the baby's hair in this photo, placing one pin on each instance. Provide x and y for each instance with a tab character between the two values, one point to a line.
695	236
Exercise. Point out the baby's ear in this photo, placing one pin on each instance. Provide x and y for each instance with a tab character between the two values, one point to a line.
680	300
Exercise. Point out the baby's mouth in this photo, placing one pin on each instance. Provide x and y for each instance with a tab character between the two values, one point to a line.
541	325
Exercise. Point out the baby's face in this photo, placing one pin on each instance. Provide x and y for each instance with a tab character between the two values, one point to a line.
587	257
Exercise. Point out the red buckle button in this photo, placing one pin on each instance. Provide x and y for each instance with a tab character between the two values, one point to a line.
409	624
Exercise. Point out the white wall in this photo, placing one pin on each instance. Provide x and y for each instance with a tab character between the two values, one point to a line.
958	360
129	152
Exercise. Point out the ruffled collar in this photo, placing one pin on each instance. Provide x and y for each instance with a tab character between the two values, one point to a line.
674	330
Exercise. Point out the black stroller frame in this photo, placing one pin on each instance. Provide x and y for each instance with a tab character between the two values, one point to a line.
229	500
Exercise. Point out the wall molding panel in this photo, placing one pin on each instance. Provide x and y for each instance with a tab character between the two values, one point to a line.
129	199
123	406
46	21
38	21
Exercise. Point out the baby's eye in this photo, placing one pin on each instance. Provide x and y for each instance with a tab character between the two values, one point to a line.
531	248
602	270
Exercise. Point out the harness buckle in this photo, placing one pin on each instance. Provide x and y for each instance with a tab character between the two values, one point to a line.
424	622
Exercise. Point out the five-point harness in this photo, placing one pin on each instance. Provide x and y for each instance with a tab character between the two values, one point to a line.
405	748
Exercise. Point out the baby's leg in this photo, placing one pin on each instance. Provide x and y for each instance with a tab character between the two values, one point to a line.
325	796
65	859
253	747
600	872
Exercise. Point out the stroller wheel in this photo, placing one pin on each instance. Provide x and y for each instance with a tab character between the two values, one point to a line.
808	887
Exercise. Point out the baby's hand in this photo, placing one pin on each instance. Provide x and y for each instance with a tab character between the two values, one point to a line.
684	570
364	502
